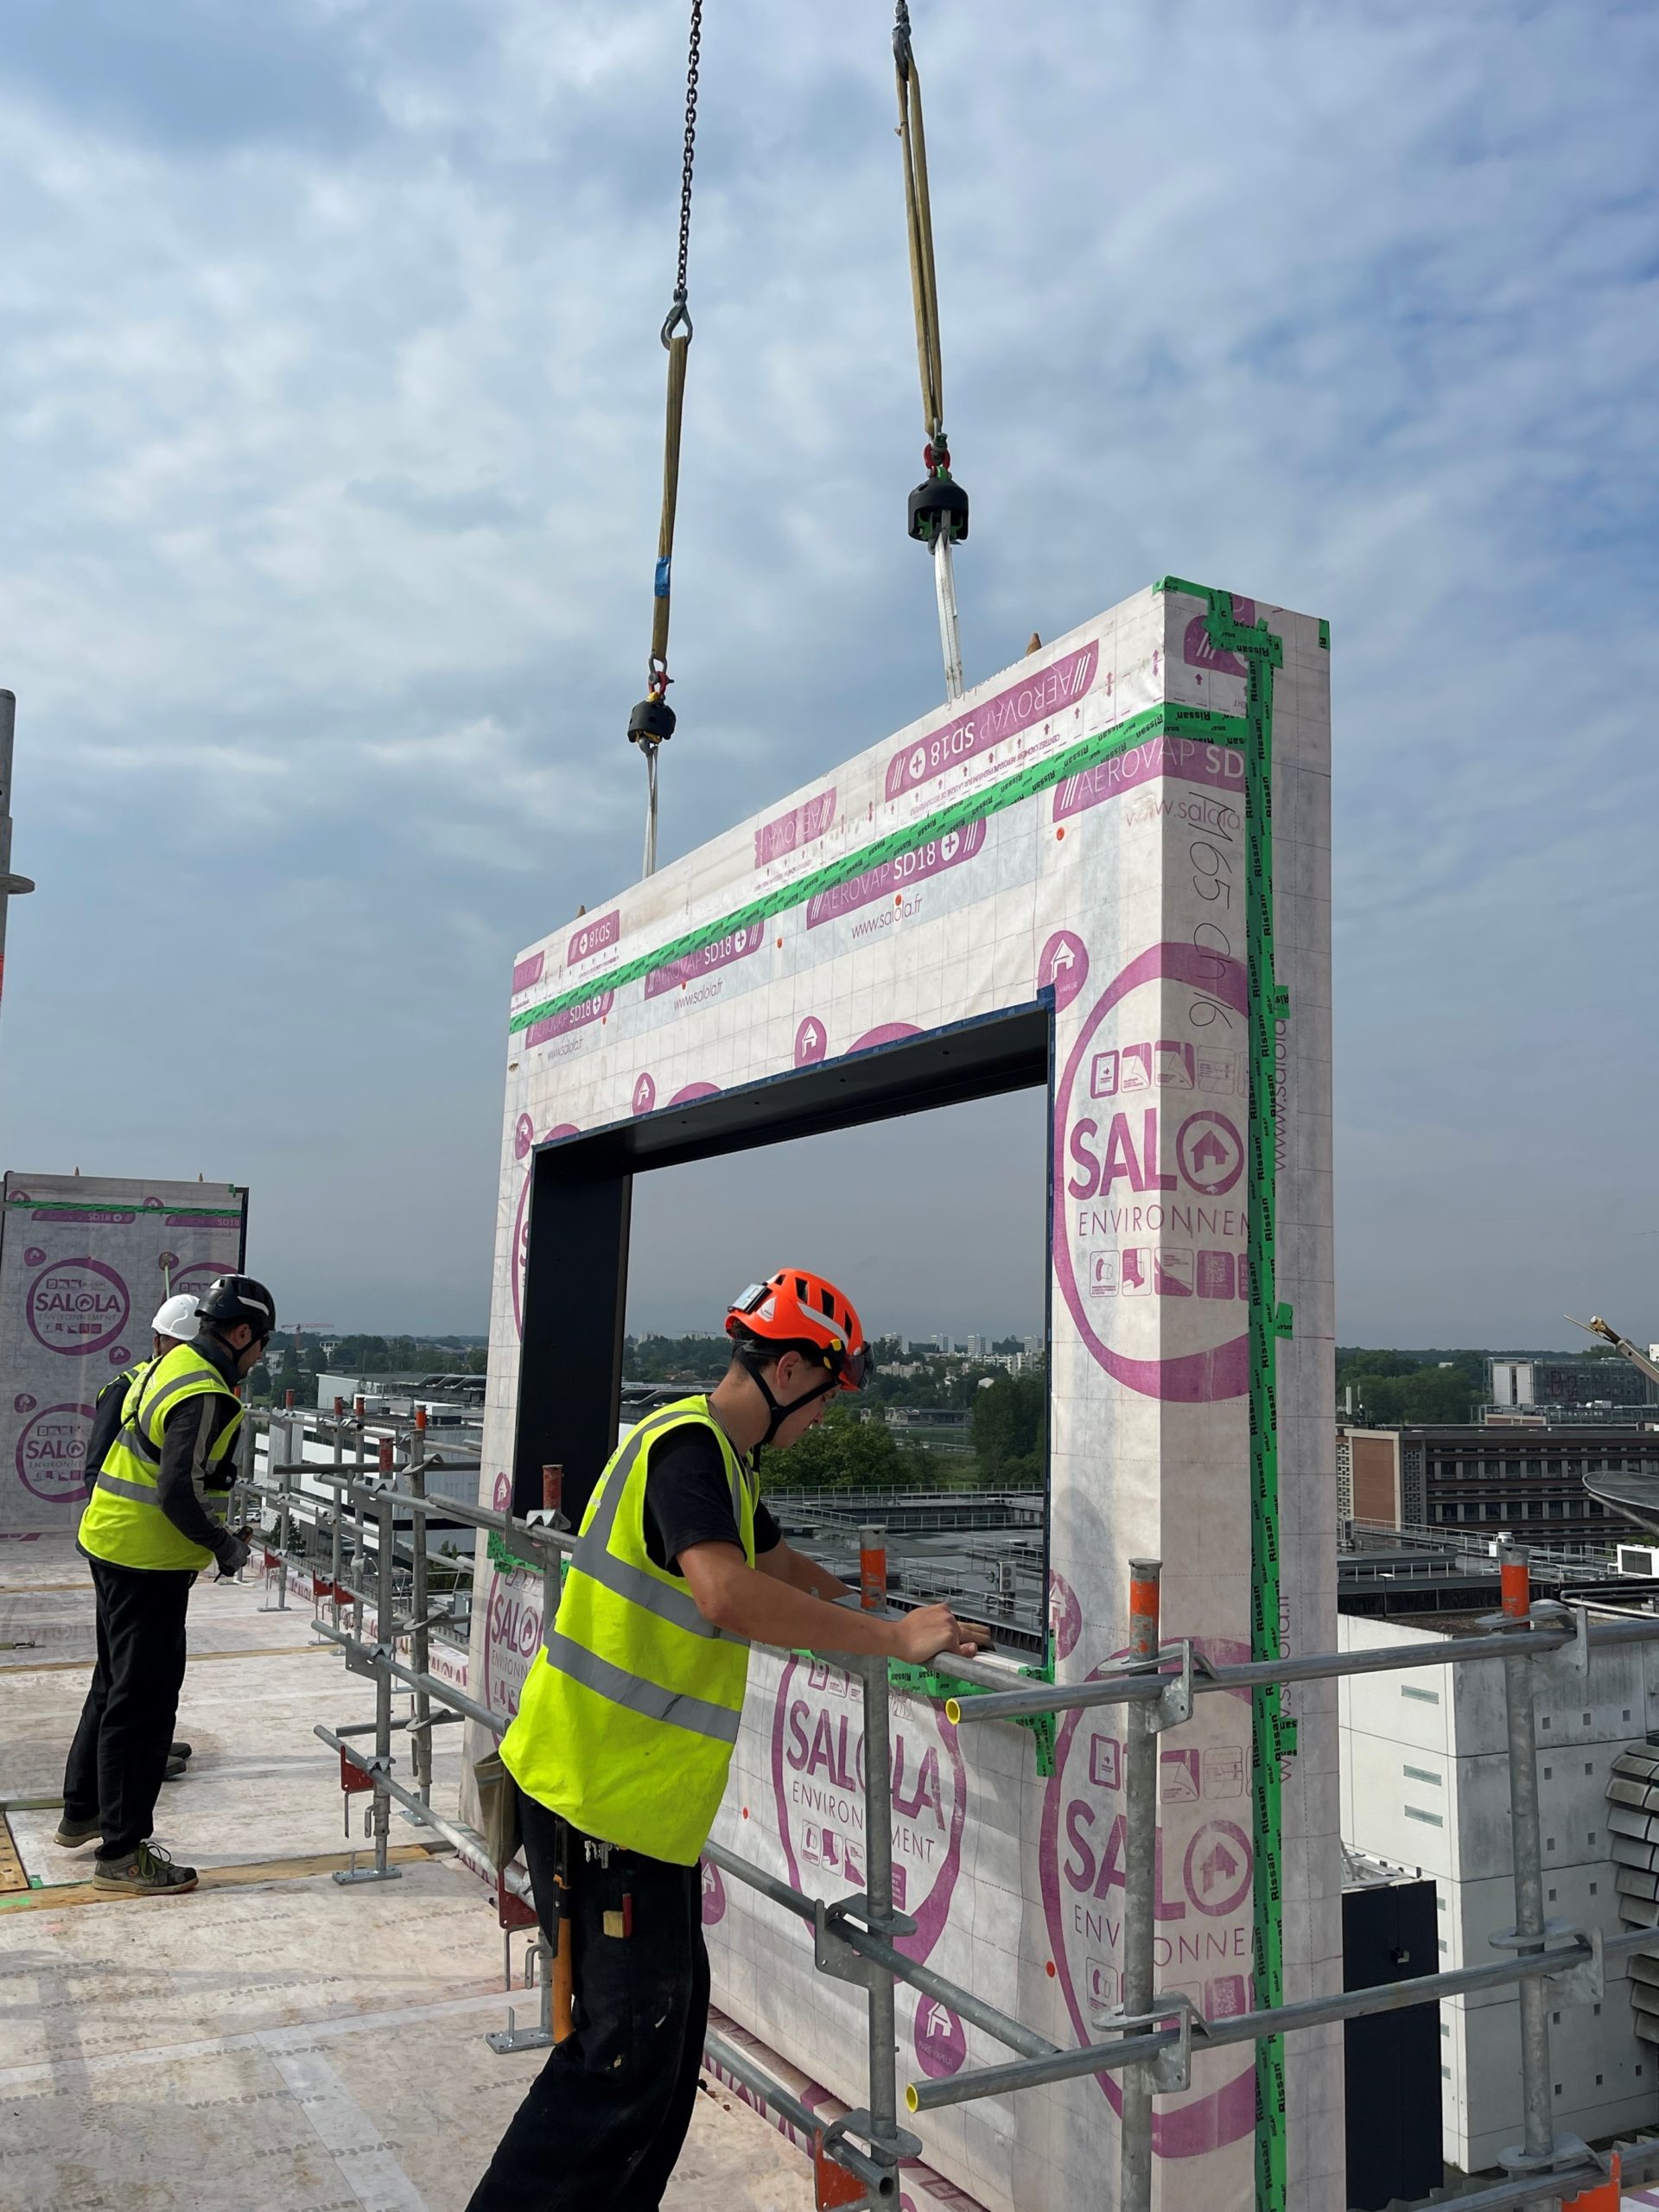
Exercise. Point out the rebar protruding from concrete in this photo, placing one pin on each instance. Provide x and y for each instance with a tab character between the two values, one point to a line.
1139	1886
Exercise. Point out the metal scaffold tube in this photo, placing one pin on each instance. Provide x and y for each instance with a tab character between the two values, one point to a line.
1140	1887
944	588
11	887
1537	2151
884	2140
334	1569
420	1634
1153	2037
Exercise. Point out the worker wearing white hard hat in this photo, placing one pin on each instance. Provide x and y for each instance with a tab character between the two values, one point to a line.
173	1323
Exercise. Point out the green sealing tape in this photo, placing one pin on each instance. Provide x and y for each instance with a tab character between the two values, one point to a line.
1262	653
924	1681
1169	720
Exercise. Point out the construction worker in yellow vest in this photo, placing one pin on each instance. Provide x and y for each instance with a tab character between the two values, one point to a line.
624	1738
173	1323
156	1518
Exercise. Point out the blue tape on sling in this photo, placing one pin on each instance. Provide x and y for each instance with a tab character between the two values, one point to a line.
662	579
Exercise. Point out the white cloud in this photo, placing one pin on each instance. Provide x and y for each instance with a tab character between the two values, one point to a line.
333	449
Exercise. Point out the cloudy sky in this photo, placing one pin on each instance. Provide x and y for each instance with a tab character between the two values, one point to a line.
332	403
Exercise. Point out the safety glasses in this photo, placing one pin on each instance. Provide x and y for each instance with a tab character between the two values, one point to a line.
853	1369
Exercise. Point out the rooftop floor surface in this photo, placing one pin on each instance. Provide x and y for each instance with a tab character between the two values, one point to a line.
271	2041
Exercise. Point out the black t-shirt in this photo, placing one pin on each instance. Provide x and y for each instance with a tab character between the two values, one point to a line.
688	1500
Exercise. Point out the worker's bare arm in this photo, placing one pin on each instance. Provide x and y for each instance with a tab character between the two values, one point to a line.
784	1564
733	1595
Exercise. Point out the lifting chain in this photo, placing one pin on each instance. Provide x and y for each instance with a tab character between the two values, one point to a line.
677	314
938	505
651	722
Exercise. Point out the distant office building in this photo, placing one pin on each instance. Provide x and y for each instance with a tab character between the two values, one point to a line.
1528	1479
978	1346
1565	1379
1371	1480
394	1397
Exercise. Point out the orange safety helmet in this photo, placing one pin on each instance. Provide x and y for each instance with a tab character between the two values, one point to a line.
796	1310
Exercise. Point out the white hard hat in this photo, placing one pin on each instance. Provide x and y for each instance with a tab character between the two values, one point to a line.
177	1316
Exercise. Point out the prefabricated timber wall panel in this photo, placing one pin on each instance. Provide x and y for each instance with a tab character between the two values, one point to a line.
85	1261
1066	845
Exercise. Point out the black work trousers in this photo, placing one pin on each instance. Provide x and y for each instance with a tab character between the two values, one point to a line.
119	1755
607	2116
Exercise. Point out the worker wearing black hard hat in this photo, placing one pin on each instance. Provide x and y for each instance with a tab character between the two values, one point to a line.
149	1529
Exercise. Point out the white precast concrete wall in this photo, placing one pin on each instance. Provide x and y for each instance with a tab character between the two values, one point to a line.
1426	1786
1078	832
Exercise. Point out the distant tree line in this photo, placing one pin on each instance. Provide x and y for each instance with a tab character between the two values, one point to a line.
853	1447
291	1367
1394	1387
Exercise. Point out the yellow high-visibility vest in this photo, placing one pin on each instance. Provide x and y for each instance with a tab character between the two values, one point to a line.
632	1704
123	1521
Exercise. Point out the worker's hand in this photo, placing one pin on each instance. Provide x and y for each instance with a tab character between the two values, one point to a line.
930	1631
233	1554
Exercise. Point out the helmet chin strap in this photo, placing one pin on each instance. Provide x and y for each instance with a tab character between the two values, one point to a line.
780	1414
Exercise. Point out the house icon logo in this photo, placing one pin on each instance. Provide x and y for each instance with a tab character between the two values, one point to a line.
1211	1153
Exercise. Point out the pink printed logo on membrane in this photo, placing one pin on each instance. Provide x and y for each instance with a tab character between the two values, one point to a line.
77	1307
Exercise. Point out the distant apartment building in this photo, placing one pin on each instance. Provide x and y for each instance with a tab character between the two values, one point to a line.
1424	1789
1566	1381
1496	1475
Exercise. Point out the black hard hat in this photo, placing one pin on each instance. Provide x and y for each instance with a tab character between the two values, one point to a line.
231	1299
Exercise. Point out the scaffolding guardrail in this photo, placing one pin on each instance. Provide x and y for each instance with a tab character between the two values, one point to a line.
1154	2036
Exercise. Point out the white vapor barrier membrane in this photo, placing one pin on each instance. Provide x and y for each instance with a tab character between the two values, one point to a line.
1068	835
85	1261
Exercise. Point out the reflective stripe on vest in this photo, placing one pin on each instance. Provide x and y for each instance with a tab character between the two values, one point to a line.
118	1486
623	1688
133	1436
627	1719
123	1521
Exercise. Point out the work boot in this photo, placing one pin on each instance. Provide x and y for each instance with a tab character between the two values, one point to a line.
174	1768
71	1833
147	1873
178	1751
